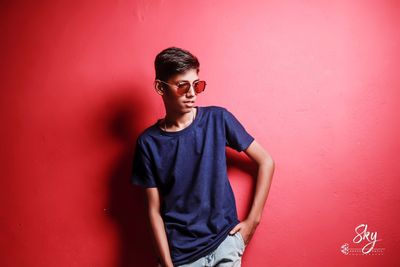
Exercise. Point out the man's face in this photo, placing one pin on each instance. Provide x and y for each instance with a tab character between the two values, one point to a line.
175	101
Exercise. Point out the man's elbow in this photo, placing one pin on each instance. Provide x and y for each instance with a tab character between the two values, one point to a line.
153	213
267	161
268	165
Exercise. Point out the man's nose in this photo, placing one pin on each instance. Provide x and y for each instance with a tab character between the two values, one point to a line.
191	91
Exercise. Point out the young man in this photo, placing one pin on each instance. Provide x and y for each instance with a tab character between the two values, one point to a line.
181	161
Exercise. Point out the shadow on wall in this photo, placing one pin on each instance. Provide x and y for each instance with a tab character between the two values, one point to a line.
241	162
119	120
244	164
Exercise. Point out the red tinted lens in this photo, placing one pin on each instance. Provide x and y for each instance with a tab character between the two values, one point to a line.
183	88
199	86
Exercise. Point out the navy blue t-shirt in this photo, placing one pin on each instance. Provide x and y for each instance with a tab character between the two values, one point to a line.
189	168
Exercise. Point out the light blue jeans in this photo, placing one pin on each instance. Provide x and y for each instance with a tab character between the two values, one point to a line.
228	254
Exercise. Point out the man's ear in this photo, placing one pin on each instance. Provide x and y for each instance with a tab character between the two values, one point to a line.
158	87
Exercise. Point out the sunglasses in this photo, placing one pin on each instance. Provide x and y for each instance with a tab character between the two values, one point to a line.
184	87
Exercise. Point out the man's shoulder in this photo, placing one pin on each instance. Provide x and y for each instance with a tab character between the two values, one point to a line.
214	109
147	134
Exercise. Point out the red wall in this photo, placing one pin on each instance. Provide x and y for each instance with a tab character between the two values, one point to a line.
316	82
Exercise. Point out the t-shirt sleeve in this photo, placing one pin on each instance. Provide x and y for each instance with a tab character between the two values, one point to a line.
236	135
142	171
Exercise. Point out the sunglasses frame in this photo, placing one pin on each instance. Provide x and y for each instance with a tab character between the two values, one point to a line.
205	84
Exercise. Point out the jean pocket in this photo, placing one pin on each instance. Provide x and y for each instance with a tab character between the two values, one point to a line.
241	239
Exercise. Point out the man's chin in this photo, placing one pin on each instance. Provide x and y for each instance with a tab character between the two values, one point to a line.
184	107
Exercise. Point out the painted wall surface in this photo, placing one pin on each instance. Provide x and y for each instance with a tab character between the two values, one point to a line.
315	82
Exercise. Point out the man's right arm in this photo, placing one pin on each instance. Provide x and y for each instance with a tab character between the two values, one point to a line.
157	225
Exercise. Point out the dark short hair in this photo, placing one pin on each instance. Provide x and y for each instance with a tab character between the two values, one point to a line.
172	61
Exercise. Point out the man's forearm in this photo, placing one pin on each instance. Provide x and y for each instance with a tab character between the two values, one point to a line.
263	184
157	225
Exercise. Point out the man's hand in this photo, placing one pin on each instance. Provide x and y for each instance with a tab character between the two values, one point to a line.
246	229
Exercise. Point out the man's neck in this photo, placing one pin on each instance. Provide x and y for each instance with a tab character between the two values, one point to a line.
178	121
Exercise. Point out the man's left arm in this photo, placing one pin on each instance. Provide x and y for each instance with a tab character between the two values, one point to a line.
266	167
